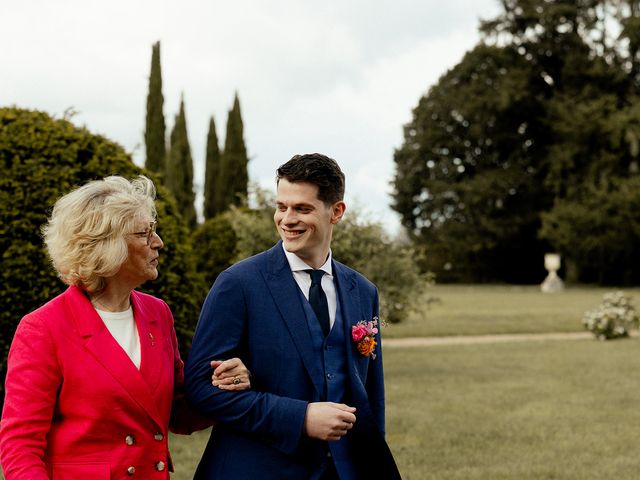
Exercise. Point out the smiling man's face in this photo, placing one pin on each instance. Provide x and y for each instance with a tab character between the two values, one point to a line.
304	222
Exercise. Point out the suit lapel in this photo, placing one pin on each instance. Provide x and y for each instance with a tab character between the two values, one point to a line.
349	297
284	291
103	347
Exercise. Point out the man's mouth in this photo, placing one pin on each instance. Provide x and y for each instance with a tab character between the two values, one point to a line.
292	234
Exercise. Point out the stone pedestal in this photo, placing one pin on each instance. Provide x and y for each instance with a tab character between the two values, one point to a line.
553	283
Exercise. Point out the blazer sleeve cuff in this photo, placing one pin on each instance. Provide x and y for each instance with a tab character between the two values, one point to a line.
288	425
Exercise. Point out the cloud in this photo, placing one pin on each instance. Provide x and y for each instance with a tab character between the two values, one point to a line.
337	77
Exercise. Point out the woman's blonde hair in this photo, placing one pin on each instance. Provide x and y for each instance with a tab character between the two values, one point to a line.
85	235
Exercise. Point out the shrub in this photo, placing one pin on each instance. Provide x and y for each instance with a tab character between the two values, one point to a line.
43	158
254	229
365	247
217	240
613	318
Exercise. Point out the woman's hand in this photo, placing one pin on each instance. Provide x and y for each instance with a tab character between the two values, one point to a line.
230	375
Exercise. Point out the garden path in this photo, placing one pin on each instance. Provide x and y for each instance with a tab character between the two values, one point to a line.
482	339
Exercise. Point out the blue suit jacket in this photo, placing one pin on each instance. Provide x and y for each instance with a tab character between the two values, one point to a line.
254	312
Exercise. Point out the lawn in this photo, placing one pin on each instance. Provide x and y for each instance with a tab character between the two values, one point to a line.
486	309
527	411
564	410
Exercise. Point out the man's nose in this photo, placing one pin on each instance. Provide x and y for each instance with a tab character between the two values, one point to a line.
289	216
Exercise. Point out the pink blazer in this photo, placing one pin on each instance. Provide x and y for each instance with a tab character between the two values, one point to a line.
76	407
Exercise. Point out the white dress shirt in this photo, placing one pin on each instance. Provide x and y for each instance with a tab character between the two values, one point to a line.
303	279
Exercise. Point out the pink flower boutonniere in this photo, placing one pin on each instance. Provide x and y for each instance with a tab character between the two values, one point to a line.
363	334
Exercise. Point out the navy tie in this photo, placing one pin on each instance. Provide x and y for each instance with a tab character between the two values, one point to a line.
318	299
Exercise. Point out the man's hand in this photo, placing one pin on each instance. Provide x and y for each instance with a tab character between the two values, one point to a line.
230	375
328	421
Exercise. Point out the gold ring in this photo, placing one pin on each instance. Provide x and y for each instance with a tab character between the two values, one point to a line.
236	381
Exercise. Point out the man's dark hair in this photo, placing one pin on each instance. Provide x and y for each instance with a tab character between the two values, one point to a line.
316	169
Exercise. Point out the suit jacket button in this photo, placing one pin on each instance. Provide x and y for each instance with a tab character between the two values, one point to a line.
131	471
158	436
129	440
160	466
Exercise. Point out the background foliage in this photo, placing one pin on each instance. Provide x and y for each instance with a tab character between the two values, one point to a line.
43	158
211	204
179	169
154	132
536	130
233	177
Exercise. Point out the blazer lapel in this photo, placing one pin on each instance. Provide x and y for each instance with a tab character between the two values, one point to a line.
104	348
349	297
284	291
151	343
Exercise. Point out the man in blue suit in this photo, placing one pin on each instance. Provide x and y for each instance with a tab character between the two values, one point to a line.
300	321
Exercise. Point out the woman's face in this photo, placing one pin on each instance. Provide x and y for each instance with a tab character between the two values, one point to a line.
144	245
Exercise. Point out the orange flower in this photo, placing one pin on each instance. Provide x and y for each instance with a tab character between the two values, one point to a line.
366	346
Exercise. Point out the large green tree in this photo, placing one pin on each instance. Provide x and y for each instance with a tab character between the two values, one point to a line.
179	170
233	180
154	132
593	119
212	205
539	112
42	159
468	174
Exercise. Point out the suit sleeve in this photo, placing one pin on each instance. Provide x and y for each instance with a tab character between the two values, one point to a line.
375	376
32	383
219	336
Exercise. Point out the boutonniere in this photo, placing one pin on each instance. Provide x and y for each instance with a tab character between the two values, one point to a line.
363	334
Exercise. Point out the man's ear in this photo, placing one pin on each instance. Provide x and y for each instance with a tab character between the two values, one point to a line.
337	211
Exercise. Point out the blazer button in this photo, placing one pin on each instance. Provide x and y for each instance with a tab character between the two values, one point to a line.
131	471
160	466
158	436
129	440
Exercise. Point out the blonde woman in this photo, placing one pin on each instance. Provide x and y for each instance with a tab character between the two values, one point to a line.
95	380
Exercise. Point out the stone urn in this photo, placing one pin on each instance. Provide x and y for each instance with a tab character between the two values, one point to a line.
553	283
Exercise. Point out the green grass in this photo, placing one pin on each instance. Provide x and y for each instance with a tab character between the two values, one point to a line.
186	452
539	410
564	410
489	309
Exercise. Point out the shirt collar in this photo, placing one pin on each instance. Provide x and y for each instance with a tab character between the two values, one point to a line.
297	264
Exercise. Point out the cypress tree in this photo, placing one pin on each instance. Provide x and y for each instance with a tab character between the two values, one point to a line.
154	133
179	169
234	178
212	205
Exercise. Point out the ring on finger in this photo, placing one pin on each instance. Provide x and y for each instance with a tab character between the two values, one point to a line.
236	381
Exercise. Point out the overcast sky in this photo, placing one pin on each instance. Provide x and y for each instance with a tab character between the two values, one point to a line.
337	77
